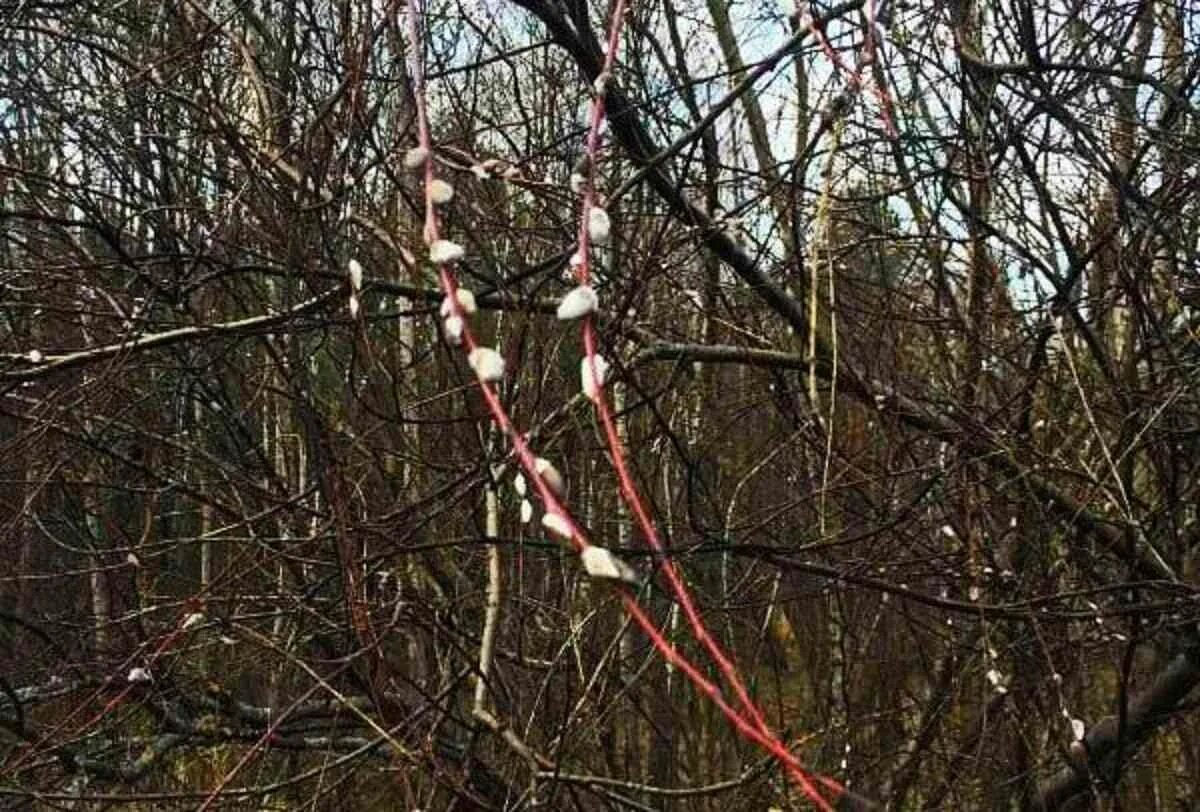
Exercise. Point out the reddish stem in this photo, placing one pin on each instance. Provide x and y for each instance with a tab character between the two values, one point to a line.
752	726
753	723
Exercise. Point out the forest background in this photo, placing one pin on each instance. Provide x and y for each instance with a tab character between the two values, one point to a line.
899	303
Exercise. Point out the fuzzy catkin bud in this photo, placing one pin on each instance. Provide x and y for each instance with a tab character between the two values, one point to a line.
466	300
441	192
452	327
578	303
466	303
599	225
557	525
487	363
415	158
550	475
601	564
443	251
593	384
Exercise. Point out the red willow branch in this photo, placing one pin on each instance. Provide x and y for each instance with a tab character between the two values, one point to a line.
593	226
489	368
866	58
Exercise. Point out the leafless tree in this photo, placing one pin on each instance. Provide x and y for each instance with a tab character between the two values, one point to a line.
498	405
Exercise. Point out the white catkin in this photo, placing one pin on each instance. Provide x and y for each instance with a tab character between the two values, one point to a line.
593	385
441	192
599	225
557	524
453	329
415	158
466	300
354	306
998	681
487	363
550	475
443	251
519	485
356	274
526	511
578	303
139	675
35	356
602	564
466	303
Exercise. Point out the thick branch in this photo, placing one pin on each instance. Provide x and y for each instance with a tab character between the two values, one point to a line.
254	324
1147	711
